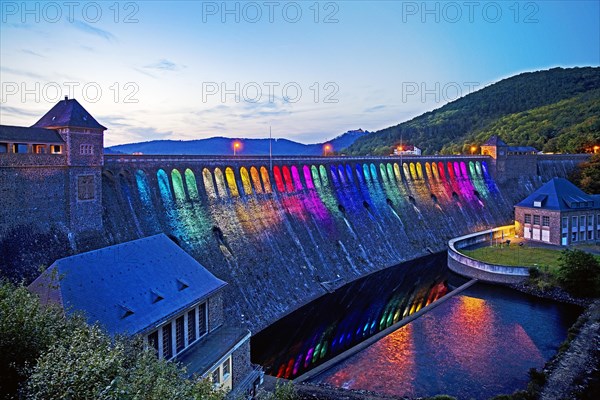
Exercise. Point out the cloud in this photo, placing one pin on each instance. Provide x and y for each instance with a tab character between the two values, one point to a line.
27	74
31	52
92	30
18	111
375	108
164	65
148	134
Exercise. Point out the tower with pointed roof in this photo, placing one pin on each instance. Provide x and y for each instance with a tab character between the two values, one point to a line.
64	150
84	144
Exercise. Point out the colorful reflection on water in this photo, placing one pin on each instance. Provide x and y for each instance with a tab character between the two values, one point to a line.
338	321
478	344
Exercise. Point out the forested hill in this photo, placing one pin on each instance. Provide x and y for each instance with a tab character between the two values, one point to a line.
553	110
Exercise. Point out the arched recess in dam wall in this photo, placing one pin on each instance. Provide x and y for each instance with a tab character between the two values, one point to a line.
281	236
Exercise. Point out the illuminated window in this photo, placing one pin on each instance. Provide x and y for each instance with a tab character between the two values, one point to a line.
545	221
86	149
3	147
179	338
527	218
167	344
56	149
19	148
536	219
85	187
39	148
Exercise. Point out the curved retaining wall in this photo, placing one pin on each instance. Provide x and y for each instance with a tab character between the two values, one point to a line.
469	267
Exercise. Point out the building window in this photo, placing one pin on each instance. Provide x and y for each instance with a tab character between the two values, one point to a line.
582	221
202	320
527	218
3	147
582	236
191	326
179	338
39	148
536	219
56	149
153	341
85	187
574	222
590	235
167	344
86	149
573	236
590	221
545	221
226	368
565	222
216	377
19	148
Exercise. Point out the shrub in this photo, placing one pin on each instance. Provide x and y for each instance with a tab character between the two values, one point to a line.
579	273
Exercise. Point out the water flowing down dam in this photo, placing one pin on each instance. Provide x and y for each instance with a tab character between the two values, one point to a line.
284	231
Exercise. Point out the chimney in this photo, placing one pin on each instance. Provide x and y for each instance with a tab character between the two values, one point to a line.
66	98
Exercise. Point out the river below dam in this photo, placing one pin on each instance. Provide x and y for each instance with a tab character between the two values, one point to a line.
477	344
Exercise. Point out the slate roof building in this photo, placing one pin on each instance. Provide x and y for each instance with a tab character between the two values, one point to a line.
151	287
559	213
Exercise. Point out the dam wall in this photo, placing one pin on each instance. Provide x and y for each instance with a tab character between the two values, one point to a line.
280	231
284	231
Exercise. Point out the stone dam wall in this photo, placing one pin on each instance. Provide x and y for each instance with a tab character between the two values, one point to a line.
284	231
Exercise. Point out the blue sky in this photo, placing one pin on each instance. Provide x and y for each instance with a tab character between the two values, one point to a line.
312	70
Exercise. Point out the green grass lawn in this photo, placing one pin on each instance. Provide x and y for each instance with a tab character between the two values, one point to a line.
517	256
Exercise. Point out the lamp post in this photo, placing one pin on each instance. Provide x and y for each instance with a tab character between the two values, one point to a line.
473	148
236	147
327	149
596	149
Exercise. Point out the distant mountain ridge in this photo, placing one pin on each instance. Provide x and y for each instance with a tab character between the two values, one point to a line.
554	110
223	146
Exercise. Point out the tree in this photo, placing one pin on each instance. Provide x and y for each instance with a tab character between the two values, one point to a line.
89	364
579	273
587	175
44	355
26	330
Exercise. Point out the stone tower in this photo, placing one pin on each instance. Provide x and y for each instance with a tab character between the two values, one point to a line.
84	144
497	149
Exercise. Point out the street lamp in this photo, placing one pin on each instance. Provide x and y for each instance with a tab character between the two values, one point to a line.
473	148
327	149
236	146
596	149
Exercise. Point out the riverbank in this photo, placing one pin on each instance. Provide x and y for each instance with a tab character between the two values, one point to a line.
555	293
575	371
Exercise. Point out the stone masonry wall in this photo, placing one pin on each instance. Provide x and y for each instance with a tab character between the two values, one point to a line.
216	317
